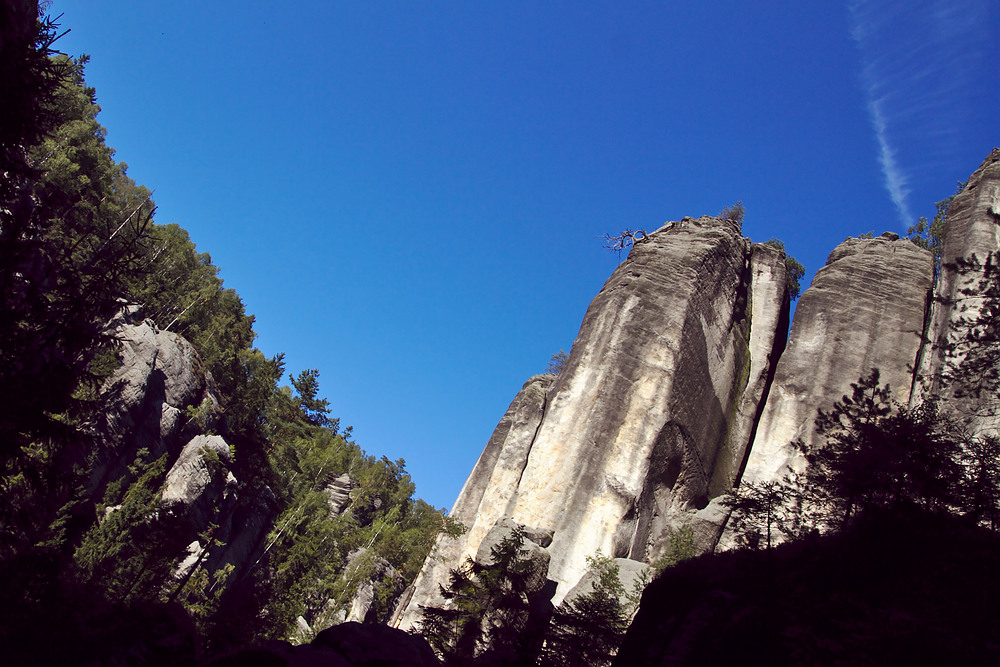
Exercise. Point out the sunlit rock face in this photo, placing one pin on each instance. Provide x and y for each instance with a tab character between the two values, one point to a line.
484	499
650	416
649	395
973	236
865	309
158	398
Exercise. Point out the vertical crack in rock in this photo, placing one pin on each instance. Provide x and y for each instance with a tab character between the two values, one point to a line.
864	309
656	348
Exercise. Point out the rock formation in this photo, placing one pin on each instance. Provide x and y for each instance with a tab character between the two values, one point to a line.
158	398
672	362
161	400
865	309
680	385
973	239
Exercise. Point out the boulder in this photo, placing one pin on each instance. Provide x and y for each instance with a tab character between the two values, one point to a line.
632	575
199	481
530	550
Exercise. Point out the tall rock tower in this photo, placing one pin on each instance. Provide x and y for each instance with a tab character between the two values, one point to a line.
972	241
649	418
865	309
674	392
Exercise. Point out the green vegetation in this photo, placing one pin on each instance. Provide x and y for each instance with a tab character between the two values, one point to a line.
680	547
78	240
557	363
793	269
930	235
498	613
588	629
489	609
734	213
877	460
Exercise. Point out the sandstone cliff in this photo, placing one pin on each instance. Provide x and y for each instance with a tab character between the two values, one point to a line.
972	241
865	309
650	415
680	384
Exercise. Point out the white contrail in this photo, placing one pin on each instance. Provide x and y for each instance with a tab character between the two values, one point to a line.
895	179
918	62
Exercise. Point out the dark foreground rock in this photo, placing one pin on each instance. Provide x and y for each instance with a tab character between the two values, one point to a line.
918	590
344	645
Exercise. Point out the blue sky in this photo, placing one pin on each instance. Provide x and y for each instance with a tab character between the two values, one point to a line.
408	195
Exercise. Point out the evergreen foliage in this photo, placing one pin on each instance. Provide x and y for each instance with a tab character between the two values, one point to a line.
733	213
589	629
794	271
680	547
930	234
77	241
488	609
877	460
557	363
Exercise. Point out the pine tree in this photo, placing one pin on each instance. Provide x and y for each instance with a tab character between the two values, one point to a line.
589	629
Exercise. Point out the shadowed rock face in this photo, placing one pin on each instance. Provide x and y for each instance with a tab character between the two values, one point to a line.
865	309
163	400
973	234
650	415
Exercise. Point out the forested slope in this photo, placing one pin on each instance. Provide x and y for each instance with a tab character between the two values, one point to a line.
91	547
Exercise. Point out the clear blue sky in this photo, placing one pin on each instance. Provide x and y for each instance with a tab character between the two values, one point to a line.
407	194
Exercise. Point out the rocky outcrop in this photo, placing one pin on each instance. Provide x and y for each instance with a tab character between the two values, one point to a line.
972	240
643	424
199	482
338	490
865	309
484	499
163	401
651	391
680	385
158	399
632	575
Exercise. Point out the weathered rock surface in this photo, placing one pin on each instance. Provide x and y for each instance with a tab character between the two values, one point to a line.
484	499
670	367
973	236
372	576
633	576
199	482
162	400
534	552
647	399
680	384
865	309
338	489
243	525
159	384
770	310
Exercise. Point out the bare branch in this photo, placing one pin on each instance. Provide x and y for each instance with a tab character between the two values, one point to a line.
625	240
